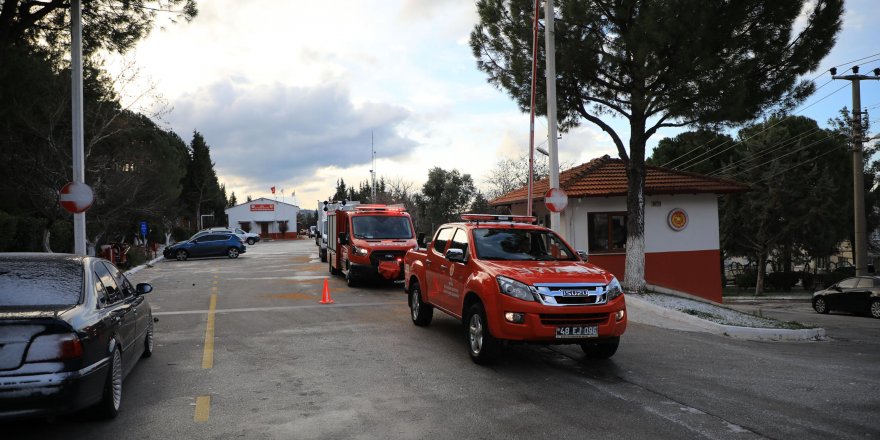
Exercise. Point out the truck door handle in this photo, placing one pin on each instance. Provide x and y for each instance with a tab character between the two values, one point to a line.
428	262
443	267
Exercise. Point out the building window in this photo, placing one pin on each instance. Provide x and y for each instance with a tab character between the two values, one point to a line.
607	232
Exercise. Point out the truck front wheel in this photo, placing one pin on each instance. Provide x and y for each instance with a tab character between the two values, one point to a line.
482	346
601	349
350	279
421	313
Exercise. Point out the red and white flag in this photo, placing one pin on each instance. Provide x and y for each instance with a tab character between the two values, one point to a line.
273	190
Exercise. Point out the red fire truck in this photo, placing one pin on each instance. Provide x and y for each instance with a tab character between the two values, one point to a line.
369	242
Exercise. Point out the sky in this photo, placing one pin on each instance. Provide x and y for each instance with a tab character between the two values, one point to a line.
291	94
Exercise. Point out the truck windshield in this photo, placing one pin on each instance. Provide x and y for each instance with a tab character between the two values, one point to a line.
370	227
520	244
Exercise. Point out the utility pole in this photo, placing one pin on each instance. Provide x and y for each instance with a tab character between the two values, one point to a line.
76	100
550	48
860	252
530	196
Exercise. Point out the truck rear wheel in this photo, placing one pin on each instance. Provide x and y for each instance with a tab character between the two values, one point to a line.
420	312
601	349
482	346
323	254
333	271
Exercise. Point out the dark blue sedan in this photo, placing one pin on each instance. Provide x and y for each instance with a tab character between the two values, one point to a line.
209	245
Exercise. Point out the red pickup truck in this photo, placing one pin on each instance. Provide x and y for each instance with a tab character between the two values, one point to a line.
510	280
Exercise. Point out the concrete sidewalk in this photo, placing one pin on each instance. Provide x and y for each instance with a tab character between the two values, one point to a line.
644	312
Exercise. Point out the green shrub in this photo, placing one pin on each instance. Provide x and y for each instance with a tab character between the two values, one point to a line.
61	238
28	234
746	279
136	256
807	280
846	271
7	225
824	280
781	280
180	234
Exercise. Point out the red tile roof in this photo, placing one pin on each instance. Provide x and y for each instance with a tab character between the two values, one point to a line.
605	176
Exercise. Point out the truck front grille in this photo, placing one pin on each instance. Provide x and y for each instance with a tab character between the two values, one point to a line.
563	294
380	255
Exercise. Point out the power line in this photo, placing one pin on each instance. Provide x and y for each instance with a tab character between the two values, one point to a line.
669	163
750	137
779	146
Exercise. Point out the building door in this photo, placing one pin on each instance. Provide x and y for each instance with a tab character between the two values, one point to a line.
264	229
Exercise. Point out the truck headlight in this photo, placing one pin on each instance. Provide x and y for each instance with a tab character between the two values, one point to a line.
359	251
515	289
613	289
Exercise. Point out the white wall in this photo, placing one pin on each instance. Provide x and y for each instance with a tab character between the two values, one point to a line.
283	211
701	232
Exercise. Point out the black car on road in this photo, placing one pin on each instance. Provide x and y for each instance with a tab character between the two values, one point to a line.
71	328
856	295
208	245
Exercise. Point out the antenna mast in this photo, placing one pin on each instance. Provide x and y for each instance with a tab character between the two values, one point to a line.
373	170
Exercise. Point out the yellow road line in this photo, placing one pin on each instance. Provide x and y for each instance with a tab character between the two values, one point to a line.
208	358
203	409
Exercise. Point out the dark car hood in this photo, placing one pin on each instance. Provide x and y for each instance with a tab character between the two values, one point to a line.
537	272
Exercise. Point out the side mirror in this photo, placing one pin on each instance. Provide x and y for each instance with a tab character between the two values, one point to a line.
343	238
143	288
583	255
421	239
455	255
835	288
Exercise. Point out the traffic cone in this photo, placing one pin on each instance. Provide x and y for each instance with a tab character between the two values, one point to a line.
325	297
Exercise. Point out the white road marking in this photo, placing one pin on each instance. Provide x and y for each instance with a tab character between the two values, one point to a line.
279	308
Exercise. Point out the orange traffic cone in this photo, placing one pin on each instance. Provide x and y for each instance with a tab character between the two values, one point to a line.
325	297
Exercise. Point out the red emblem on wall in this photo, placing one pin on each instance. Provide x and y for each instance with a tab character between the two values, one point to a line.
677	219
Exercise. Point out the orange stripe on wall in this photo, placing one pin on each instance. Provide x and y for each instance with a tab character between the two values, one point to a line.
694	272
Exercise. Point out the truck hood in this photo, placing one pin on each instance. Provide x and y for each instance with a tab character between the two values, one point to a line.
539	272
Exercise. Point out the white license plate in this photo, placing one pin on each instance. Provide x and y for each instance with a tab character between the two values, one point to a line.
577	331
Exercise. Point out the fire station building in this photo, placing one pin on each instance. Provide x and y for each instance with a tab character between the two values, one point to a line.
267	217
682	251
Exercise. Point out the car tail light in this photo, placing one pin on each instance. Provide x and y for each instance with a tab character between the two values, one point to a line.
57	347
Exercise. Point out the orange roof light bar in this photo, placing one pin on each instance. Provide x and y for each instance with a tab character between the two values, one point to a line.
498	218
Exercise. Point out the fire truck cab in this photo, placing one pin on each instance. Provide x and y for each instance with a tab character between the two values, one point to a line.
368	242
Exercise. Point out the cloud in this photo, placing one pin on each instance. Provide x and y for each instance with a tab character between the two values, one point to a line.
266	134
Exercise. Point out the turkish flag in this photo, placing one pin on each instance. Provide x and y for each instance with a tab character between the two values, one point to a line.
273	190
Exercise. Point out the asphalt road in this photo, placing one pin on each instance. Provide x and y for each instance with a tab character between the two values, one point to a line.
278	365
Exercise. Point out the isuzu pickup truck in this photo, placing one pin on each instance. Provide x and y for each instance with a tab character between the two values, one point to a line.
509	280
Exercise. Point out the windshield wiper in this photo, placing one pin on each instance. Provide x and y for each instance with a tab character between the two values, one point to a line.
545	258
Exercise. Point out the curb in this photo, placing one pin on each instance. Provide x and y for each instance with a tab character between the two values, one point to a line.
644	312
137	269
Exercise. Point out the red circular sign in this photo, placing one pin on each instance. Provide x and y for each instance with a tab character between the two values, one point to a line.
76	197
677	219
556	200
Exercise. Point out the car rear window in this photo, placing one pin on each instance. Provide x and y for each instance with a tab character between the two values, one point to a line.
39	283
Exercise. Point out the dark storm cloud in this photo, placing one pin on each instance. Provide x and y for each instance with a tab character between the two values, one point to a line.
277	133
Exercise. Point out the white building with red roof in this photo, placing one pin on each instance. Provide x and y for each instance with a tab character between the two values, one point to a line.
682	251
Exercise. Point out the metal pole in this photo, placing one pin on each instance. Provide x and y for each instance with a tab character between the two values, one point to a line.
532	110
76	101
861	236
550	47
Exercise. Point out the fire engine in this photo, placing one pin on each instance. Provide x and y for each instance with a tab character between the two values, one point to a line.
368	242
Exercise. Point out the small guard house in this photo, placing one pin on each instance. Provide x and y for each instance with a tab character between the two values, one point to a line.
267	217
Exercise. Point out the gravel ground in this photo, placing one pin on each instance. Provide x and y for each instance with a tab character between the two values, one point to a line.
714	313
